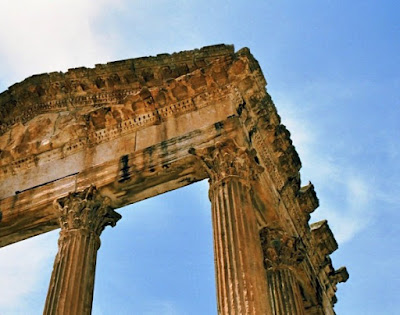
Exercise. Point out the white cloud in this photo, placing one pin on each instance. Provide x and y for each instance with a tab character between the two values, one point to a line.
349	215
25	269
46	35
36	37
344	192
358	195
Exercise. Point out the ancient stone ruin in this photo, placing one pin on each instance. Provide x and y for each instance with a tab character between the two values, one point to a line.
75	146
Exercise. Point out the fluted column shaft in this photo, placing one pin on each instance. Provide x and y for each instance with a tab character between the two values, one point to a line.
284	292
240	274
282	254
72	280
83	217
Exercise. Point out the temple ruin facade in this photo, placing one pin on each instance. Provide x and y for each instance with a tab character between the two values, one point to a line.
76	146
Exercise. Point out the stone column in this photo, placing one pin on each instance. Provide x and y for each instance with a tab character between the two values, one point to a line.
240	274
281	255
83	216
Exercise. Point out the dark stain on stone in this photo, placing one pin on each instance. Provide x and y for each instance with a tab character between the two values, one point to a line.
240	108
49	182
149	150
164	146
303	295
1	216
252	132
188	180
219	125
124	169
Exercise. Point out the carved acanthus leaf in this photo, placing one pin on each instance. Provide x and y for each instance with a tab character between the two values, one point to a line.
86	210
226	159
280	249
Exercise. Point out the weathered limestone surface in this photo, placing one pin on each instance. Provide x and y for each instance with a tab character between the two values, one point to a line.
83	216
282	254
139	127
240	273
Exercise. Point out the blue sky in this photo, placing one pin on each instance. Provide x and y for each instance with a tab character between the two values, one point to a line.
333	70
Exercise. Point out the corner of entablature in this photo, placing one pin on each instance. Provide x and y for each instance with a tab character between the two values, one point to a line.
323	244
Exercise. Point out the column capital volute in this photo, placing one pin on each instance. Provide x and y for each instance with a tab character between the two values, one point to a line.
226	159
280	249
85	210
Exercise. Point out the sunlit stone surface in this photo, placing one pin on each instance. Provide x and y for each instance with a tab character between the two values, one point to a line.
99	139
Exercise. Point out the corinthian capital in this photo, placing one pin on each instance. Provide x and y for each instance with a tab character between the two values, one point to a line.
227	159
280	249
86	209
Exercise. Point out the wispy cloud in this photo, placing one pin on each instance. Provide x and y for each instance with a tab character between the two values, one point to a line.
25	270
36	37
342	187
352	213
45	35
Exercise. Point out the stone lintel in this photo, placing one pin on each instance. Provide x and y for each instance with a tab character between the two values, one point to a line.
146	173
